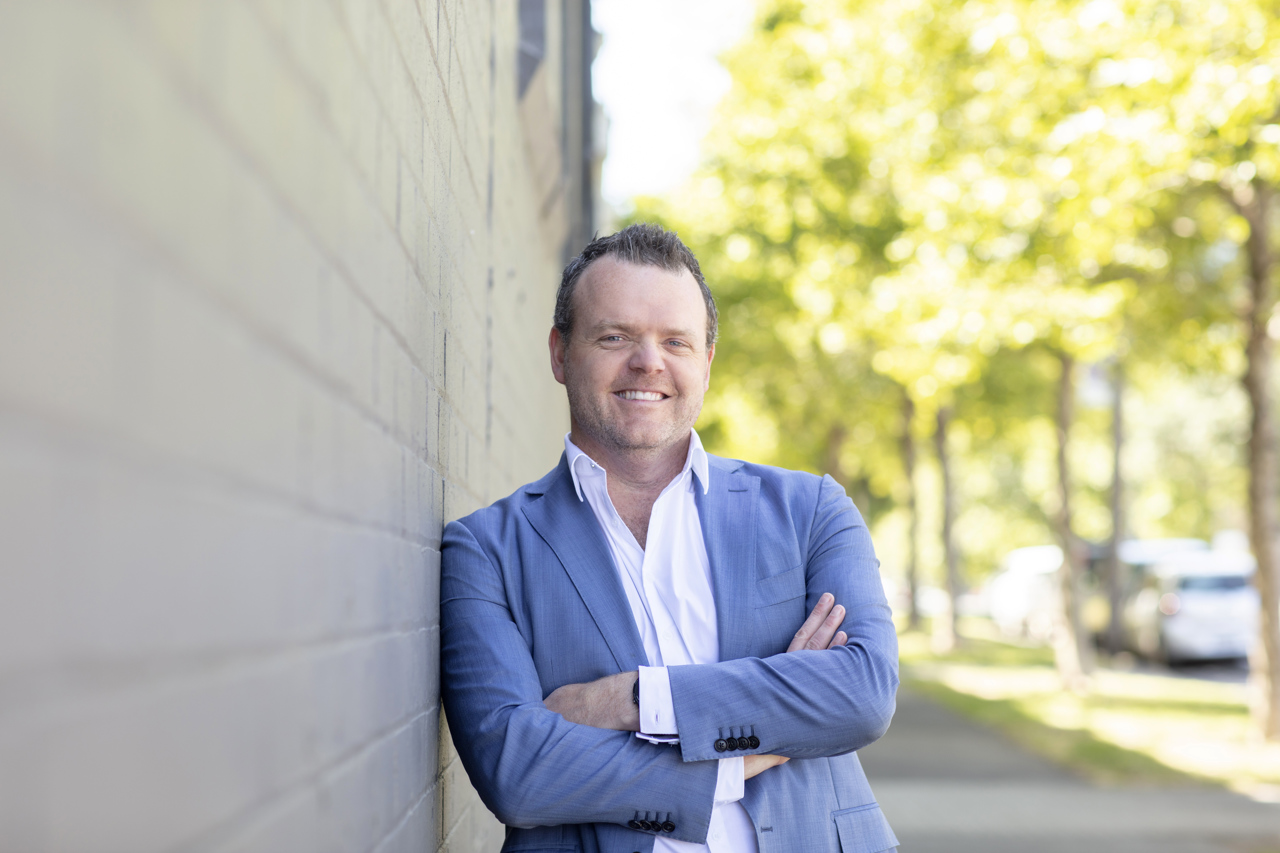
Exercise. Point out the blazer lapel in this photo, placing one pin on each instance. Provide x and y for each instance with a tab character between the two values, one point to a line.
728	516
570	529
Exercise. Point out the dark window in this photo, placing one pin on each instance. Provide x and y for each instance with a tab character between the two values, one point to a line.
533	42
1214	582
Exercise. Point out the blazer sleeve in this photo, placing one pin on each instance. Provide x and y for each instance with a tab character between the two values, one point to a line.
808	703
530	766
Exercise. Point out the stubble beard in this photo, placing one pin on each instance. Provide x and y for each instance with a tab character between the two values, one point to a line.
590	414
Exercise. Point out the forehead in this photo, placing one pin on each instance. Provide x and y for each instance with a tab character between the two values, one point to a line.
616	291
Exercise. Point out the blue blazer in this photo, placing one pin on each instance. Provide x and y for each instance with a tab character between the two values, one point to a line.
531	600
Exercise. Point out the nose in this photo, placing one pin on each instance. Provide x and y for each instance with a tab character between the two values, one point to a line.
646	357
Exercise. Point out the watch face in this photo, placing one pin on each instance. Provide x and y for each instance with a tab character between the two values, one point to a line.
635	691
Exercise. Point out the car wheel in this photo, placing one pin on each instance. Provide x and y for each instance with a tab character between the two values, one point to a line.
1165	656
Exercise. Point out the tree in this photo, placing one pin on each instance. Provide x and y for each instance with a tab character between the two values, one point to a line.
949	634
913	532
901	195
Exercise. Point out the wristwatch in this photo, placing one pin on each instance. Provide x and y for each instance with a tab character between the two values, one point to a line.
635	691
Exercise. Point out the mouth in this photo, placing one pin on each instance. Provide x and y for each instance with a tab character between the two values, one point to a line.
645	396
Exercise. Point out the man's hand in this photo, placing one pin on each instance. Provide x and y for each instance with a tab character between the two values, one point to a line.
754	765
605	703
819	631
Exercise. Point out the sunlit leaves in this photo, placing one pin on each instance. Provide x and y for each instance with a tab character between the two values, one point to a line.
931	197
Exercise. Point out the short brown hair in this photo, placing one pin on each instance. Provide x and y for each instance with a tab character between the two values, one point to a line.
644	244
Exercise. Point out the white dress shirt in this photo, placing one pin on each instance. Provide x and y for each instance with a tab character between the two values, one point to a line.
668	585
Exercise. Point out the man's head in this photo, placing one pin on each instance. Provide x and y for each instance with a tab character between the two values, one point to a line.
633	343
642	244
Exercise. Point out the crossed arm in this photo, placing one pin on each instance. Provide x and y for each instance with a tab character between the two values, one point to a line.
607	703
530	762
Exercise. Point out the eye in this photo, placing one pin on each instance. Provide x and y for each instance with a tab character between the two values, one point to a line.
676	343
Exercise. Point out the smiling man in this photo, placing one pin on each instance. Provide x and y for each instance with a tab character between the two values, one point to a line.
652	648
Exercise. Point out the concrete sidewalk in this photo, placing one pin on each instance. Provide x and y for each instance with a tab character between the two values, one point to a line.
950	786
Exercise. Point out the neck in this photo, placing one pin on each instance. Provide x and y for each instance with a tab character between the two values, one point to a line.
636	477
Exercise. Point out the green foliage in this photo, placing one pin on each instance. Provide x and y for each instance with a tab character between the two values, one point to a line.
932	198
1130	728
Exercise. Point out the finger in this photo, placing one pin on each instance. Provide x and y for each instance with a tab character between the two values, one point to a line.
559	701
754	765
822	637
820	612
839	639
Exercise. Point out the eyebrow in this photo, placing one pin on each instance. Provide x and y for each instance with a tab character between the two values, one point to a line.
626	327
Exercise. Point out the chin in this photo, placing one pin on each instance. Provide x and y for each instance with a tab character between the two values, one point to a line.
648	440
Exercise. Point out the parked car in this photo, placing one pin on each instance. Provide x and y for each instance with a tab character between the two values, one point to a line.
1194	605
1023	596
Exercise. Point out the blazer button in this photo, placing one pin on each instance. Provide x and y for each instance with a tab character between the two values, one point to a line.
634	824
668	827
721	745
754	742
743	743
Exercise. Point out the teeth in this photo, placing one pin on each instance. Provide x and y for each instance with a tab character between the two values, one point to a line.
652	396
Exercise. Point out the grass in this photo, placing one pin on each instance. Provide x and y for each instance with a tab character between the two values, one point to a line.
1129	729
1076	749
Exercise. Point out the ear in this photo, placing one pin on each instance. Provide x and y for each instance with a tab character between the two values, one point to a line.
711	354
556	345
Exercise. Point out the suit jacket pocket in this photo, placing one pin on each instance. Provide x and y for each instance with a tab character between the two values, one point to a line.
780	587
863	829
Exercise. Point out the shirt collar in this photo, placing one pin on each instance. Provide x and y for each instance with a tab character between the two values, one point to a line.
696	460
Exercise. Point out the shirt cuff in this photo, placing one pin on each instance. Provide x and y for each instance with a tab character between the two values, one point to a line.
657	713
729	780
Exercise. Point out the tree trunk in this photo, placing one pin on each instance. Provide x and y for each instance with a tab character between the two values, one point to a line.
945	634
1264	661
835	441
913	521
1068	648
1115	626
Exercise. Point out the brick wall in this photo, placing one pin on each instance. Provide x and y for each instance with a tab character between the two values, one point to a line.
275	282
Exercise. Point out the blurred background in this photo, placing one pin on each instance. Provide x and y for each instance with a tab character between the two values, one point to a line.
1006	271
275	280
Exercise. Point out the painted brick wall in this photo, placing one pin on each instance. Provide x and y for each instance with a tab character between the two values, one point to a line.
275	281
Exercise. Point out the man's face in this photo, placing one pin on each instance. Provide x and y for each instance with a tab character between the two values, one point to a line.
637	364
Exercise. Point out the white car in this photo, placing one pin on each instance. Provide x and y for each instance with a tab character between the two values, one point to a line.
1198	605
1023	597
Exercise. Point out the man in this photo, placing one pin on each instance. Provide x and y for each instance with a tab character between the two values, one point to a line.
621	665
